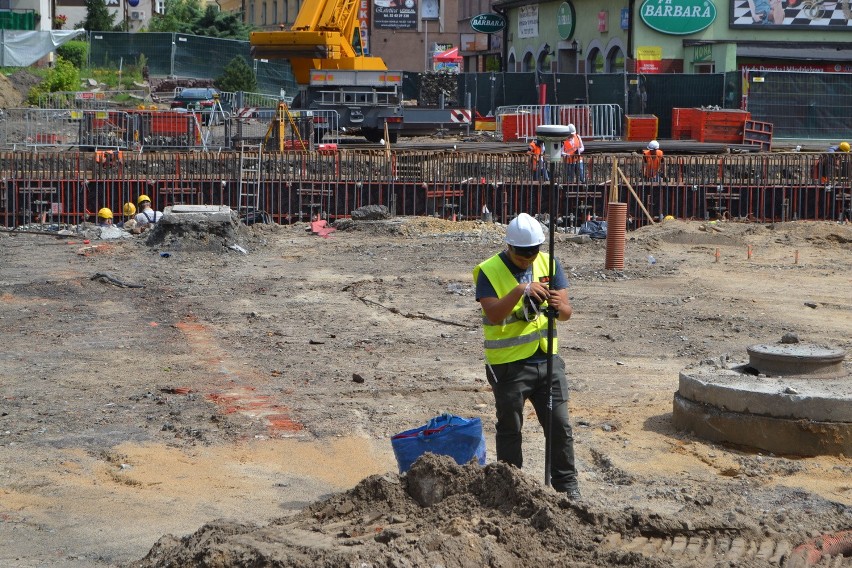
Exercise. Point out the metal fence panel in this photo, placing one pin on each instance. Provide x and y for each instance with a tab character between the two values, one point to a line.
659	93
107	49
186	55
801	105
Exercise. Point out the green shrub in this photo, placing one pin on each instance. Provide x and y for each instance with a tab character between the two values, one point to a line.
77	52
63	77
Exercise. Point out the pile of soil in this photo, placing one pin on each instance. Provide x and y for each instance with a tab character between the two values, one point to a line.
15	87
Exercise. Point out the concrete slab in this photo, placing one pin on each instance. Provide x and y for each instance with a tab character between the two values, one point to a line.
208	214
780	397
199	209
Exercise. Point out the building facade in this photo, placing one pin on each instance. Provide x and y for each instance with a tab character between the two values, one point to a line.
676	36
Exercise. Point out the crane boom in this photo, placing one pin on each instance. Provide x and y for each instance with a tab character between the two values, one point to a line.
325	36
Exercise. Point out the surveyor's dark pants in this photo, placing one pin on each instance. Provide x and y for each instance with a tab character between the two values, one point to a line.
513	384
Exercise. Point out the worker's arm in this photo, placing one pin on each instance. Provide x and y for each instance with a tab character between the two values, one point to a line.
498	309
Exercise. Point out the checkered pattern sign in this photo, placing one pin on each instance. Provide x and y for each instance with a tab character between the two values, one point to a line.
811	14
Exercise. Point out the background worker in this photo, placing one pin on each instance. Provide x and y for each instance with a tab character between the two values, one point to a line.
513	290
104	217
572	150
842	147
129	222
146	217
537	163
653	158
831	167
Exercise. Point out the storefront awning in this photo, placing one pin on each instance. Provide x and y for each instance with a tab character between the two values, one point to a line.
449	56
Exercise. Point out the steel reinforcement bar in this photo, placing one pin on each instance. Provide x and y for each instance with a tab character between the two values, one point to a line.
70	187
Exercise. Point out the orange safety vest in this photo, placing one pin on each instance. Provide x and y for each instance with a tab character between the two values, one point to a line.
108	156
653	161
535	154
571	149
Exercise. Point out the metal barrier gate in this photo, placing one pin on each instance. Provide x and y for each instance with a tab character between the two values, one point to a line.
602	122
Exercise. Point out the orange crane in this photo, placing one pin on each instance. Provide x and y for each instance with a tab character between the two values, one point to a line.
325	36
326	52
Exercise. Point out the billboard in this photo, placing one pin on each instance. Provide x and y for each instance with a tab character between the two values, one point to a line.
395	14
822	15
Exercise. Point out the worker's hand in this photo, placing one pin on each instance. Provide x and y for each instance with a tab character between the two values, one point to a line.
560	304
538	292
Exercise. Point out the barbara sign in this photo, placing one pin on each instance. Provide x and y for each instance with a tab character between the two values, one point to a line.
678	17
488	23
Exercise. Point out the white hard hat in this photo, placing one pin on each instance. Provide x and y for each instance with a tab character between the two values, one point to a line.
524	231
653	145
572	129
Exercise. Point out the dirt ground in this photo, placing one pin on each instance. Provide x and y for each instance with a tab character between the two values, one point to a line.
163	406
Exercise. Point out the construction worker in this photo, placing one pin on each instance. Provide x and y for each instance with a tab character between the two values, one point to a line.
129	222
537	163
146	217
572	149
832	167
653	158
104	216
516	294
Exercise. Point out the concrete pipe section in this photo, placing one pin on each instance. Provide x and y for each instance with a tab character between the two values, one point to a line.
789	399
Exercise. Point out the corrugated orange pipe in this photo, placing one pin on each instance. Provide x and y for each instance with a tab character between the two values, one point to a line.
616	231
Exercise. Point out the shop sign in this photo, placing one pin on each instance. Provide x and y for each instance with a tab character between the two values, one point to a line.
702	53
649	59
565	20
678	17
528	21
488	23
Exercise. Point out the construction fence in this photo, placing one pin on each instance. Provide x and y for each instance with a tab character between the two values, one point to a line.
162	130
800	105
67	188
187	55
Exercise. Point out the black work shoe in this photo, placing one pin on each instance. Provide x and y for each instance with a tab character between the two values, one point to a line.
573	494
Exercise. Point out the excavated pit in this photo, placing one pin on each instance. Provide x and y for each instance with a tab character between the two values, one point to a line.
789	399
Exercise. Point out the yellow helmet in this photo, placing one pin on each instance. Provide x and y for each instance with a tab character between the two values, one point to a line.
129	209
105	213
844	146
142	198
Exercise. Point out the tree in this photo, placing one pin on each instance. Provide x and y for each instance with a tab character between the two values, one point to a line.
191	17
99	18
237	76
178	16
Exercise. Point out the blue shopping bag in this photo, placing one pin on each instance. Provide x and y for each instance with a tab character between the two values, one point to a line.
447	434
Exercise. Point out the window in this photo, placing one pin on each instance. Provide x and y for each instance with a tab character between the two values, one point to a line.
263	14
275	12
596	62
161	6
704	67
251	13
529	62
615	61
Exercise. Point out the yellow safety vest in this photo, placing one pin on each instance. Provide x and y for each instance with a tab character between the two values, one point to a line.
513	339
